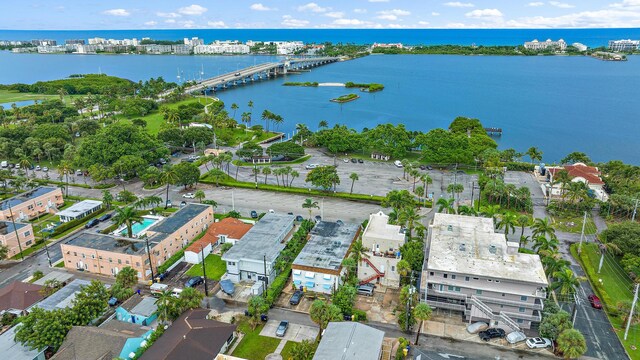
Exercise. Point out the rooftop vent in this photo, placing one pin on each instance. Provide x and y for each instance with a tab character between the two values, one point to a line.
449	227
492	249
462	247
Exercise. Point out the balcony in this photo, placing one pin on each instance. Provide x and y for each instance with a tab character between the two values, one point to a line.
387	254
445	305
536	317
497	300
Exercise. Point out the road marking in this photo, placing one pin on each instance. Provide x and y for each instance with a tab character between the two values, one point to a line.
451	356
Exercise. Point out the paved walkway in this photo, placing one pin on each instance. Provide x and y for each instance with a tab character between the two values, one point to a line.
283	342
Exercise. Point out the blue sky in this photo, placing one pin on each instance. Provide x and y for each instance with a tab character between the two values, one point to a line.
176	14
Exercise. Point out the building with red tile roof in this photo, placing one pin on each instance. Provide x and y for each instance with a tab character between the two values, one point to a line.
227	230
590	175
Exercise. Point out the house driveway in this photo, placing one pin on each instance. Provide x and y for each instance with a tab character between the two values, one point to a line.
295	332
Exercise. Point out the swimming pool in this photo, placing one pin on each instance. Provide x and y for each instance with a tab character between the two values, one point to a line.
139	227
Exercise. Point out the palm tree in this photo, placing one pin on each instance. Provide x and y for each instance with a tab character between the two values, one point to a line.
234	107
358	251
544	243
277	120
408	216
309	204
508	222
25	164
354	177
266	171
322	124
426	180
542	227
604	247
62	93
127	216
522	221
169	176
445	205
173	117
421	312
563	178
294	174
455	190
216	175
107	198
246	117
565	282
572	344
577	191
534	154
165	301
199	194
63	169
553	262
266	116
466	210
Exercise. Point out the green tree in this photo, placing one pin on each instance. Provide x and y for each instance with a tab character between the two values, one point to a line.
354	177
303	350
344	298
445	205
127	277
256	306
200	195
508	222
323	313
554	324
323	124
309	204
187	174
421	312
534	154
266	171
542	243
325	177
576	157
413	253
625	235
408	217
4	251
398	199
522	221
542	227
408	299
571	344
167	305
190	298
127	216
565	282
455	190
358	252
216	175
235	108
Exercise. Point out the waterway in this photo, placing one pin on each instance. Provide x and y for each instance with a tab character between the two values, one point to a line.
559	104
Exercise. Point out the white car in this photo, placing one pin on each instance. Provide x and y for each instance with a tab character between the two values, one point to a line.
538	343
398	163
476	327
37	167
516	337
189	196
311	166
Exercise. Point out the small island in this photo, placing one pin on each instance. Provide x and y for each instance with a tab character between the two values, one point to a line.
306	84
373	87
345	98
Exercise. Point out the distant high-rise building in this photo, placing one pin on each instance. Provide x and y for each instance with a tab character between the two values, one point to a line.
544	45
44	42
624	45
74	42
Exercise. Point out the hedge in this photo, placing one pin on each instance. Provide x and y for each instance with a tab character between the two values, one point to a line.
520	166
74	223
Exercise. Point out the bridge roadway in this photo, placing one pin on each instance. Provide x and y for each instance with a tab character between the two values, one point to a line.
259	72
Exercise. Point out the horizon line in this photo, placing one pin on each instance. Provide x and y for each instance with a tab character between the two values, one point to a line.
339	28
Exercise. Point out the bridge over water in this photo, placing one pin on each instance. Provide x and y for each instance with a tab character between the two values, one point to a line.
259	72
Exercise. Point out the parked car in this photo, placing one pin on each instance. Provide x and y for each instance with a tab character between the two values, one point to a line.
4	164
17	166
365	290
491	333
189	196
104	217
345	160
113	301
299	218
398	163
423	167
296	297
45	169
163	161
38	168
78	172
318	218
254	214
91	223
282	328
271	211
371	285
476	327
169	203
162	276
595	301
311	166
429	167
516	337
360	161
538	343
339	222
183	203
354	160
290	213
157	289
194	281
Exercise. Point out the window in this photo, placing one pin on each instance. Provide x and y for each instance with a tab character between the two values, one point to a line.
475	278
497	281
478	292
430	273
441	287
521	309
393	268
326	277
138	263
110	260
28	242
450	288
309	275
127	262
466	278
453	277
75	253
453	288
523	298
93	256
119	261
445	276
297	272
30	207
39	203
27	233
489	280
502	294
82	255
520	321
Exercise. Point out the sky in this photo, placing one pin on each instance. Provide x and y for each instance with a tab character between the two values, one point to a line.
273	14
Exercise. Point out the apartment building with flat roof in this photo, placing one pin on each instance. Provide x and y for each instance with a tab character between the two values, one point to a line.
31	204
8	238
472	269
383	241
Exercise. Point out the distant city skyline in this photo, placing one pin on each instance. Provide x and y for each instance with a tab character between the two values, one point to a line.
318	14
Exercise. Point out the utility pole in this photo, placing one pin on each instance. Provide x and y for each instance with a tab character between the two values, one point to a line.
233	202
411	291
635	210
473	188
633	307
46	248
264	278
146	240
204	273
15	230
584	222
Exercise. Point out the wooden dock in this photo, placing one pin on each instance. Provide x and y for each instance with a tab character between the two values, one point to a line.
492	131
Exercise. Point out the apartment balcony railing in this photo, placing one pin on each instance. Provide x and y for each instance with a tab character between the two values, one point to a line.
497	300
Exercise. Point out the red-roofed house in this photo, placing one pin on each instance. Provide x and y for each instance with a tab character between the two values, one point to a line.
590	175
227	230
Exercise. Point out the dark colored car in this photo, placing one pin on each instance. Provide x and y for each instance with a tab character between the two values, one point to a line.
194	281
183	203
113	301
429	167
296	297
361	161
254	214
289	213
104	217
491	333
423	167
318	218
299	218
91	223
162	276
339	222
595	301
282	328
353	160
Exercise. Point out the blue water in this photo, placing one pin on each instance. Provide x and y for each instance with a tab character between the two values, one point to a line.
18	103
589	37
138	227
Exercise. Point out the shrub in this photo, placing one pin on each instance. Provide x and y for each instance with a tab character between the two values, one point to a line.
225	247
359	315
37	275
73	223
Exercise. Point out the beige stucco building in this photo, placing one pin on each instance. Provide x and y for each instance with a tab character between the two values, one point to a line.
9	239
383	241
108	254
31	204
471	269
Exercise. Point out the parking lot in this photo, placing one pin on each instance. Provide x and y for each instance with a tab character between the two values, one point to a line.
295	332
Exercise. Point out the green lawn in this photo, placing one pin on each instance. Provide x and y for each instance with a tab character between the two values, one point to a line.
612	289
253	346
286	351
565	221
10	96
214	265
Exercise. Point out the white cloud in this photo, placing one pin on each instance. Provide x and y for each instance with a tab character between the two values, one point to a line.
151	23
335	14
389	17
423	23
170	21
170	15
561	5
455	25
435	13
484	13
117	12
288	20
535	4
260	7
397	12
610	18
187	24
350	22
630	4
458	4
192	10
360	11
313	7
217	24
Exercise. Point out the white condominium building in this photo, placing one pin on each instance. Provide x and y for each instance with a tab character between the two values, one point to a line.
543	45
624	45
221	49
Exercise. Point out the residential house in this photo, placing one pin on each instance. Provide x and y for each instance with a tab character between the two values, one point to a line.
383	241
318	267
254	256
79	210
227	230
192	336
18	296
589	175
31	204
13	350
24	238
64	297
350	340
473	270
138	310
101	343
108	254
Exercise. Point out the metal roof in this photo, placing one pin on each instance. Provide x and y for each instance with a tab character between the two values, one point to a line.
64	297
263	239
7	227
79	208
349	340
174	222
328	245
